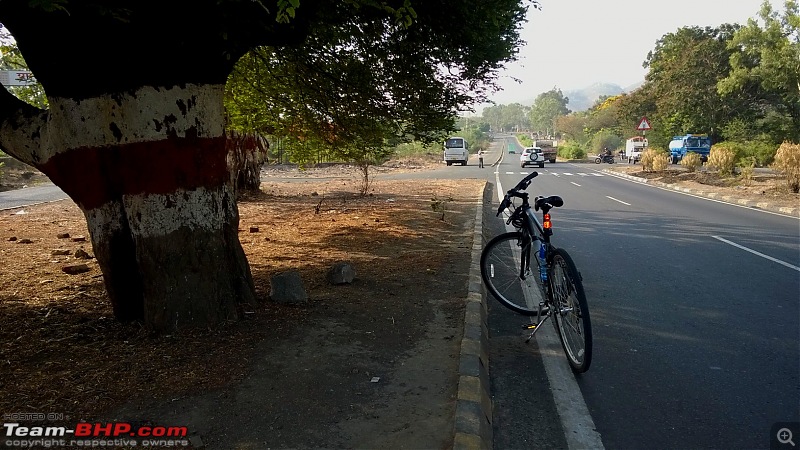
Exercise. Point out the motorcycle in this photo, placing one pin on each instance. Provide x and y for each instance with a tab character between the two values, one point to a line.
602	157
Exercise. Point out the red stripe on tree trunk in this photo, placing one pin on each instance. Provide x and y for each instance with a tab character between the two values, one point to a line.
92	176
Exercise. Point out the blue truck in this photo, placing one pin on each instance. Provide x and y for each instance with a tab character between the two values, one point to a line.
679	146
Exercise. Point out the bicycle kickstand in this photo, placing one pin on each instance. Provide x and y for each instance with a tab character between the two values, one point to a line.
535	326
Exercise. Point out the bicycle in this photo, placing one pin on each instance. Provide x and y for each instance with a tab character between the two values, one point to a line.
506	270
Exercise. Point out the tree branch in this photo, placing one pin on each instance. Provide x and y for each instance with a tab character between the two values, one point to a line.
21	127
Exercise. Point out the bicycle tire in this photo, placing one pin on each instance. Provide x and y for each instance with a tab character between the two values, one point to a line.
502	261
571	311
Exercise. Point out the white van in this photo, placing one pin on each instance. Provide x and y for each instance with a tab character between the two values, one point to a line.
456	151
634	148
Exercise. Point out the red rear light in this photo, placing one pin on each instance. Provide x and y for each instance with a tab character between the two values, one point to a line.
547	223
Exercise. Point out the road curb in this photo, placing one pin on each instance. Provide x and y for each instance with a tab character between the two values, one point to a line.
473	418
766	206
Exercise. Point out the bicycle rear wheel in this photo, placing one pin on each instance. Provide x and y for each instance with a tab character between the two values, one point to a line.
505	269
571	311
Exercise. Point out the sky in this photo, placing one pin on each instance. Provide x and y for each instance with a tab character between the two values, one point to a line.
572	44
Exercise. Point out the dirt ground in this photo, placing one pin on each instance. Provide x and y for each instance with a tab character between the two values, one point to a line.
372	364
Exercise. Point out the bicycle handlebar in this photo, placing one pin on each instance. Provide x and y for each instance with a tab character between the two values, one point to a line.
514	192
525	182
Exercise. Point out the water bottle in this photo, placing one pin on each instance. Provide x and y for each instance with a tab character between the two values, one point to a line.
542	262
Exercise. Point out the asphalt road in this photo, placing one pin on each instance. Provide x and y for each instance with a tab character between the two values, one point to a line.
694	308
30	196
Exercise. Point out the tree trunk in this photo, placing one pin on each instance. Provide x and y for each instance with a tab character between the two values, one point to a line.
246	154
158	200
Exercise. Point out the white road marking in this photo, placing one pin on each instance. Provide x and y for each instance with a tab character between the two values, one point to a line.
783	263
760	211
576	184
616	200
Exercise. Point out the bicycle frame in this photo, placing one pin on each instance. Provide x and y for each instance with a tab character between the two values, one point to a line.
534	230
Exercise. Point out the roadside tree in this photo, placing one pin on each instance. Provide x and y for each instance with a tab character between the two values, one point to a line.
765	59
547	107
136	136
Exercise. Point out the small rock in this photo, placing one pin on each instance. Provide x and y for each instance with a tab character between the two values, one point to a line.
75	269
254	229
79	239
63	235
82	254
287	288
341	273
314	194
25	241
12	239
20	212
60	252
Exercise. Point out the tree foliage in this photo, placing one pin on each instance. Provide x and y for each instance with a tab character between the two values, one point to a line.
11	59
547	107
511	117
373	80
685	67
765	57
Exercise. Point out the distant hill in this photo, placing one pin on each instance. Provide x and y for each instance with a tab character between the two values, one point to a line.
583	99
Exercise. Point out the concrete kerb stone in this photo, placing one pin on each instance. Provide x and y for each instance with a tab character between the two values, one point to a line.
472	428
766	206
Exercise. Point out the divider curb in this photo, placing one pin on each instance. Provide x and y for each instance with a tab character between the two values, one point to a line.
473	418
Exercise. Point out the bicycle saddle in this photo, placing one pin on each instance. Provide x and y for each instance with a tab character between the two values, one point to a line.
553	201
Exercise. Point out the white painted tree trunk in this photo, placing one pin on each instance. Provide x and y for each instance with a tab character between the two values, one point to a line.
148	169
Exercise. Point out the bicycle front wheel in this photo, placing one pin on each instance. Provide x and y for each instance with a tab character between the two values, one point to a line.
506	272
571	311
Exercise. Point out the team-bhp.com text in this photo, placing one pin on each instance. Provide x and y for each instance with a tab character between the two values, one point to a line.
96	434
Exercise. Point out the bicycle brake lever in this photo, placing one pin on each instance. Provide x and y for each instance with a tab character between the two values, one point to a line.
503	205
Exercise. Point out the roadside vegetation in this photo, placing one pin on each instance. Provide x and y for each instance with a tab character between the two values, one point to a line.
736	83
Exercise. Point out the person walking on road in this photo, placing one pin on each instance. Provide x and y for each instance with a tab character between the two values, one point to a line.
480	158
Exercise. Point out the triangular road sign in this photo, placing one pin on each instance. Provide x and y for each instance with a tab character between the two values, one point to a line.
644	124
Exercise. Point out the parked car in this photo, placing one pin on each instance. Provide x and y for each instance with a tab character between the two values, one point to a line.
531	155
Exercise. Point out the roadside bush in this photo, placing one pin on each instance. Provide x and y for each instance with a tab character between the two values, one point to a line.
746	170
787	160
722	158
525	140
571	150
606	139
655	159
691	161
761	152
